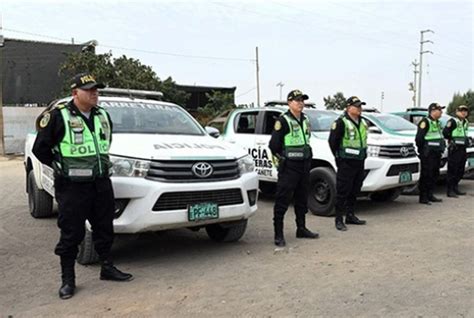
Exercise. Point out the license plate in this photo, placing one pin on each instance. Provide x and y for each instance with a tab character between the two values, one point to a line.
470	162
203	211
405	177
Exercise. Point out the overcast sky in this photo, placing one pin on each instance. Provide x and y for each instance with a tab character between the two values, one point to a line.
320	47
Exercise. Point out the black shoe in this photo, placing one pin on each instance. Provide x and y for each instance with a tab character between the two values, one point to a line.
67	290
303	232
280	241
451	194
340	225
352	219
434	199
458	192
110	272
425	201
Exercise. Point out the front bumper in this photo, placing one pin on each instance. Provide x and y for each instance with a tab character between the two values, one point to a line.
141	214
382	173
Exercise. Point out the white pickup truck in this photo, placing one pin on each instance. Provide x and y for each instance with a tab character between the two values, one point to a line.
391	164
168	173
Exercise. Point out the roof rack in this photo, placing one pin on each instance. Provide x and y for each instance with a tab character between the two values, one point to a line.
413	109
370	110
132	93
285	103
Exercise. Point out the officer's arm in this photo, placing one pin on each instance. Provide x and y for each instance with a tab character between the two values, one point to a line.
50	132
111	126
335	136
450	126
423	127
278	135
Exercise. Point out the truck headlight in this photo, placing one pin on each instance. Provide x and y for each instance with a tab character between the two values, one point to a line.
246	164
373	151
125	167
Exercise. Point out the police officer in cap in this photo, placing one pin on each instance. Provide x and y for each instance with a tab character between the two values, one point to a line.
348	142
430	143
74	140
292	152
456	133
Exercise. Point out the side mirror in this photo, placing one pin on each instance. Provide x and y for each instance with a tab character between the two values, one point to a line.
375	130
213	132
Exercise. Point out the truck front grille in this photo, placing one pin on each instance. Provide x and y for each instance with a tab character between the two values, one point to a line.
181	200
183	171
396	169
398	151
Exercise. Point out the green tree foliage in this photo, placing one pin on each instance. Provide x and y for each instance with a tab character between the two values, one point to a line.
218	103
122	72
336	102
464	99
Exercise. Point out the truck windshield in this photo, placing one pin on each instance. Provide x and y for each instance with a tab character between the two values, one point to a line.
151	118
321	120
393	122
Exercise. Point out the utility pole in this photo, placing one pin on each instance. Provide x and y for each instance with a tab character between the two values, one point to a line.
258	78
422	41
412	85
281	86
2	137
381	101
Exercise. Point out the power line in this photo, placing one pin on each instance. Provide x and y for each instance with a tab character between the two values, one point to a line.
246	92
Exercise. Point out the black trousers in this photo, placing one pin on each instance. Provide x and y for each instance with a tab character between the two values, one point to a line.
430	164
349	180
78	202
456	162
292	185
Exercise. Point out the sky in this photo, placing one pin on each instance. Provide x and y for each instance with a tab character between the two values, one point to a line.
320	47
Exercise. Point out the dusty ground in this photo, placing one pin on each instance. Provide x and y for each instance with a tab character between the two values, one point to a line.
409	261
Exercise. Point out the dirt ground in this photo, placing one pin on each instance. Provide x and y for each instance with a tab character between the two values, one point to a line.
410	260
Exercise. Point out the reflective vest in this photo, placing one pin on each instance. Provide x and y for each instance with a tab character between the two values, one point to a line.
296	142
434	138
354	141
459	134
84	155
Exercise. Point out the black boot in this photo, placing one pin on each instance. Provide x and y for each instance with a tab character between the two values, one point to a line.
432	198
68	277
303	232
340	224
352	219
451	193
424	198
457	191
109	272
279	237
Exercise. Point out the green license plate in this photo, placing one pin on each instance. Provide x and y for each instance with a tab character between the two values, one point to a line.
470	162
203	211
405	177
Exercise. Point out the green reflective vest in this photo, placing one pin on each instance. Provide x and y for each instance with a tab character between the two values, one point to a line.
434	138
84	155
459	134
296	142
354	141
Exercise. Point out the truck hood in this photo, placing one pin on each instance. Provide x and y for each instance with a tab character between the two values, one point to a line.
174	147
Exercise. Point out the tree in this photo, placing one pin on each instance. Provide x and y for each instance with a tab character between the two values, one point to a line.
123	72
218	103
337	102
465	99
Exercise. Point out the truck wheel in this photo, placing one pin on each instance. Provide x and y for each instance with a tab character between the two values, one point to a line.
267	188
411	190
40	203
87	254
385	195
226	233
322	192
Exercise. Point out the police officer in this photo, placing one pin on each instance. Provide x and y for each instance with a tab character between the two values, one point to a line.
292	152
456	133
74	140
430	143
348	142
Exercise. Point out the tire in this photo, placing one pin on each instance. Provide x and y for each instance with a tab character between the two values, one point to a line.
87	254
386	195
322	192
268	189
40	203
226	233
411	190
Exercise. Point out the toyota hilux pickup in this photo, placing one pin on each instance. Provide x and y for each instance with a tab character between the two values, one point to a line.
167	173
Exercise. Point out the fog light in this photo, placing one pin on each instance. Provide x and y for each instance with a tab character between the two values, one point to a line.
252	194
120	205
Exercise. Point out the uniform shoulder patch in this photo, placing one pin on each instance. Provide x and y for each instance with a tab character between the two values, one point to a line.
277	125
449	124
45	120
334	125
422	124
